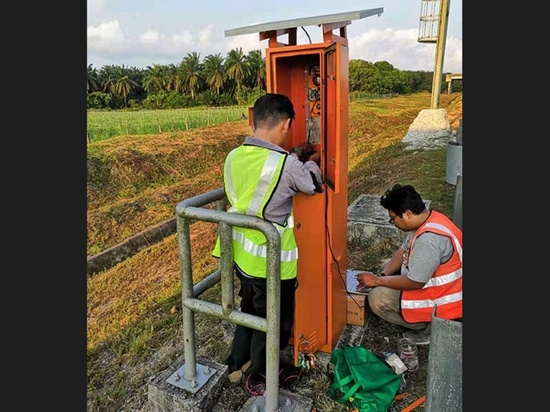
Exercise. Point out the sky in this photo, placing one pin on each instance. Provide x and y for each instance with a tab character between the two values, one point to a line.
139	33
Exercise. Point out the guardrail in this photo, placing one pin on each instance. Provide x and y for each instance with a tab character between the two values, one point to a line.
193	209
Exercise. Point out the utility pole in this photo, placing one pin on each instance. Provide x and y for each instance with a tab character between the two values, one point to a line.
440	52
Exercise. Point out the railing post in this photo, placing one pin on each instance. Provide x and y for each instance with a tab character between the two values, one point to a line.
186	272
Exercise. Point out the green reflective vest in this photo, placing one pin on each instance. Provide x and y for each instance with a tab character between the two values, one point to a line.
248	193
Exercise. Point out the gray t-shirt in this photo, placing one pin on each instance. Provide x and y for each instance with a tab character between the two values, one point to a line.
295	178
430	250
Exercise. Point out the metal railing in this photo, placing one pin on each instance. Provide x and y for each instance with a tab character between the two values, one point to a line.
193	209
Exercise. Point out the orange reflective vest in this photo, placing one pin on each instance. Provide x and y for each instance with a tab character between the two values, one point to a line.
444	289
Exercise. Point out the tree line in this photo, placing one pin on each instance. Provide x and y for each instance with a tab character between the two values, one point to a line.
235	79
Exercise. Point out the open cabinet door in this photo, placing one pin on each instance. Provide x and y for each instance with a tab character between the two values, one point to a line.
336	176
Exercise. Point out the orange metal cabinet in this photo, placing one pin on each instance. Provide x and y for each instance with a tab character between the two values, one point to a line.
315	77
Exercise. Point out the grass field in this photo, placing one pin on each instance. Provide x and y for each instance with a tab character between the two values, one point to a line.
134	327
103	125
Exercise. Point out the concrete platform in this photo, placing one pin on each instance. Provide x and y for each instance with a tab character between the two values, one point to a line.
369	222
288	402
164	396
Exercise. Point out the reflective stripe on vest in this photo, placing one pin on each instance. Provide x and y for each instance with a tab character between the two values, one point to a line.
444	289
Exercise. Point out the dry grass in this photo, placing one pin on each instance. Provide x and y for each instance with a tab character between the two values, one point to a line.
134	323
135	182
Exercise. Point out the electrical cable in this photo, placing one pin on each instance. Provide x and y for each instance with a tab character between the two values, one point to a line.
344	281
307	34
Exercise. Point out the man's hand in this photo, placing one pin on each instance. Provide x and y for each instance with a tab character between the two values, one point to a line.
309	152
307	147
398	282
316	157
367	279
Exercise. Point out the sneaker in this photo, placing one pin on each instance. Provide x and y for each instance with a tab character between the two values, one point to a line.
236	376
255	384
420	337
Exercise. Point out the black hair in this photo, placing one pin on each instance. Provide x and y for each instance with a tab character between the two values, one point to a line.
399	199
270	109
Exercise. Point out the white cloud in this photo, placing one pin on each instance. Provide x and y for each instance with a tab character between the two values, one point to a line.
452	61
402	49
94	7
205	35
399	47
149	37
247	42
182	39
106	36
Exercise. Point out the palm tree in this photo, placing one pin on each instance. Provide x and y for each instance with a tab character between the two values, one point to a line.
124	87
118	82
214	72
191	71
155	78
136	75
93	84
256	64
236	66
175	82
109	75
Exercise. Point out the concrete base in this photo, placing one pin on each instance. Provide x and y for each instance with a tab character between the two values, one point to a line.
431	129
368	222
352	335
288	401
444	381
166	397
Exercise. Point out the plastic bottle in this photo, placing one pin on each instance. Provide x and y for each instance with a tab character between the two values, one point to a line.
395	362
408	353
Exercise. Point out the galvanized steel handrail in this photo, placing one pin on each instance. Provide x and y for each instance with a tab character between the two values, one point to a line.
192	209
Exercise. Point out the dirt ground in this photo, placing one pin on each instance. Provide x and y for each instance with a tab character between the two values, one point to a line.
378	336
381	336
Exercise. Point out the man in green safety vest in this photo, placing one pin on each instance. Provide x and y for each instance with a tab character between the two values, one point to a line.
260	179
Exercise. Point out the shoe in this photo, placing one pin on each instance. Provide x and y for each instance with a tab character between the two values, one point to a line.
236	376
420	337
255	384
289	376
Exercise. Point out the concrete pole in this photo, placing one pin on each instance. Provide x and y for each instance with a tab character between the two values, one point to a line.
439	53
444	381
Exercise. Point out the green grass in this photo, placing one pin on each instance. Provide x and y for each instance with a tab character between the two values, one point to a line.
103	125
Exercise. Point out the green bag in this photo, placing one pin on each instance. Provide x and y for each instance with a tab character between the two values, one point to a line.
364	380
